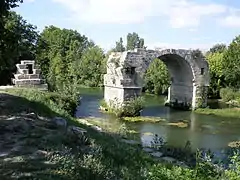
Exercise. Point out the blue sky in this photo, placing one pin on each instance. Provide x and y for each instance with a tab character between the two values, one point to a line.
162	23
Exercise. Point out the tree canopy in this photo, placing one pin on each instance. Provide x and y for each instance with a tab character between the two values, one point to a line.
19	42
231	64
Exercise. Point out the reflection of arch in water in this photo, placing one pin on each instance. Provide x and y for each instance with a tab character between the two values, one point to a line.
189	74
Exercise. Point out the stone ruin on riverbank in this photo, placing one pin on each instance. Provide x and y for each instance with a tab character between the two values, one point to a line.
29	75
189	76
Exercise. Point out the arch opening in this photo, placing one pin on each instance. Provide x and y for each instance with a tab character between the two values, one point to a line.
180	90
181	76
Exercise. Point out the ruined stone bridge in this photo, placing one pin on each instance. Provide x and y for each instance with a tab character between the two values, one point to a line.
189	76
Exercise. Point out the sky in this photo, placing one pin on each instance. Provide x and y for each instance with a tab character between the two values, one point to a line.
162	23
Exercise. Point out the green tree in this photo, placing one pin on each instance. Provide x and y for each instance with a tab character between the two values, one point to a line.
92	67
119	46
231	64
58	52
157	79
215	61
5	7
134	41
218	48
19	42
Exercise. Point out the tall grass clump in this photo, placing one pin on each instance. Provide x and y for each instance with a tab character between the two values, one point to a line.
130	108
58	102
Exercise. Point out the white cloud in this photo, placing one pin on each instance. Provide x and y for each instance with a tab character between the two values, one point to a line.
232	20
181	13
189	14
193	30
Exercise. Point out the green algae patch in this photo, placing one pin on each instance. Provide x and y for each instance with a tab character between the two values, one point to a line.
143	119
226	112
180	124
148	134
234	144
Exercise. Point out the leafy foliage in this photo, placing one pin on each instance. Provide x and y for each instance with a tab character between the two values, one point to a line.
119	46
134	41
59	53
5	7
231	64
130	108
157	79
215	61
218	48
19	42
91	68
64	102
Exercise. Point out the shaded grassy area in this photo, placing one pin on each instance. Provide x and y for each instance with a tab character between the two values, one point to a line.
32	147
50	140
225	112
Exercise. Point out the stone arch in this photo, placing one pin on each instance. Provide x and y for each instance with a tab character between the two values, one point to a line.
190	75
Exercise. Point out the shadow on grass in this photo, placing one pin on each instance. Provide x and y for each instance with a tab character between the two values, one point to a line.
28	143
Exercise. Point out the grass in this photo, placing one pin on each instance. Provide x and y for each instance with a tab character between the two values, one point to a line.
225	112
60	156
105	158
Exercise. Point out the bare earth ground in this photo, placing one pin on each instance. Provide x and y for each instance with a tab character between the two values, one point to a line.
25	140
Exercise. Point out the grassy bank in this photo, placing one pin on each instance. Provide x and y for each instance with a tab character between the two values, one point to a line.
47	152
225	112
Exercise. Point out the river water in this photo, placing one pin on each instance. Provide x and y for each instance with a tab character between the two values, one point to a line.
204	131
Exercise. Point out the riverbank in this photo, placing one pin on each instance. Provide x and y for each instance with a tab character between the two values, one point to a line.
225	112
37	145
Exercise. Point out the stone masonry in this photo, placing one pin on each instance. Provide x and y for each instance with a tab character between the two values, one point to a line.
28	74
189	76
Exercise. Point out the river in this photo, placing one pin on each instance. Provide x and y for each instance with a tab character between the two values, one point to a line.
204	131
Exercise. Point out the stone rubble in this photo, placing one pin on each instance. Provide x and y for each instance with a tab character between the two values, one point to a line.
60	122
28	74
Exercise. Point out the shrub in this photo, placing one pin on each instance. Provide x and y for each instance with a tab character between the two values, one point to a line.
130	108
60	101
227	94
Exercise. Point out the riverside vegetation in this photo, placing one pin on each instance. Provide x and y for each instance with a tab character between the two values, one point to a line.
131	108
40	150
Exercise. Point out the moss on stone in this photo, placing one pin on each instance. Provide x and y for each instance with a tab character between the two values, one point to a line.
234	144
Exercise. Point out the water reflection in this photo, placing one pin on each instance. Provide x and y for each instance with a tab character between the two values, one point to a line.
204	131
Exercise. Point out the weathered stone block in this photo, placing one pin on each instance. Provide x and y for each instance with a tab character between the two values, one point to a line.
27	62
28	74
36	71
34	76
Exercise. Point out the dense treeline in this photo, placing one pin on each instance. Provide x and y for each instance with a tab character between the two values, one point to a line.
17	41
69	59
